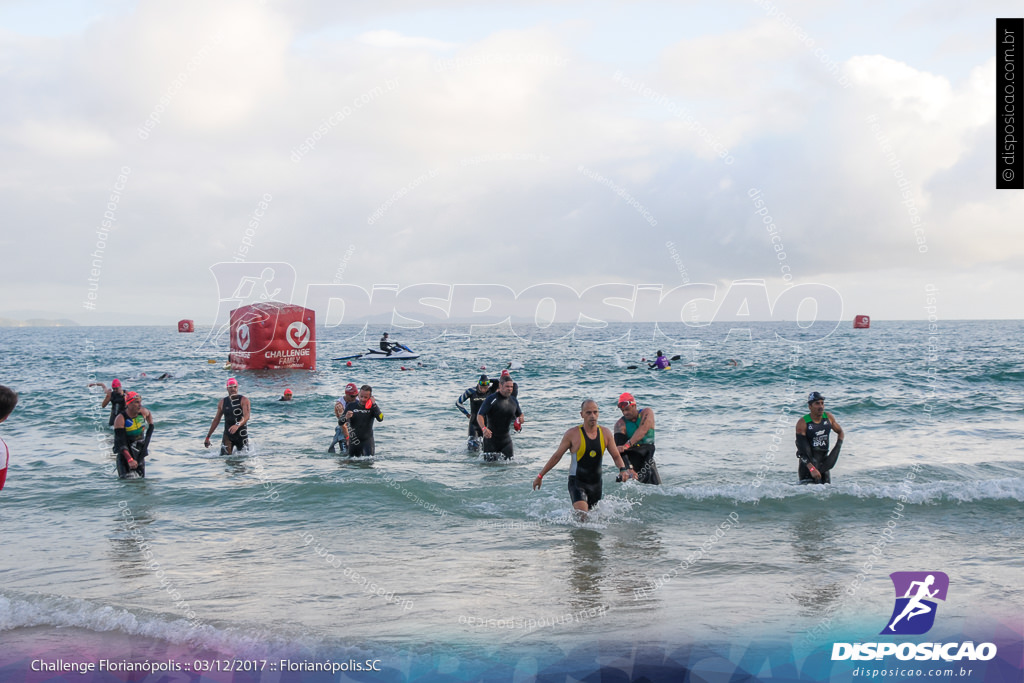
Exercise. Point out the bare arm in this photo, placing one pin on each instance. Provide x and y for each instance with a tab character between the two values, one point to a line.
106	399
216	421
840	434
564	445
620	426
613	450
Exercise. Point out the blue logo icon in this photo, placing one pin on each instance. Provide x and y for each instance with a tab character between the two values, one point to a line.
916	593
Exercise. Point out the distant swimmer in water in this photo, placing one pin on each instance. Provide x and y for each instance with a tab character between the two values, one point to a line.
914	606
634	435
496	417
133	428
812	436
660	363
361	414
114	397
8	399
286	396
476	396
341	431
587	443
235	409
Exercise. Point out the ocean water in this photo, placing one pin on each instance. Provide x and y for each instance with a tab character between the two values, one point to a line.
441	565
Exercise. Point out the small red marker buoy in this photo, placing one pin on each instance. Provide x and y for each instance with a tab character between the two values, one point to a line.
348	364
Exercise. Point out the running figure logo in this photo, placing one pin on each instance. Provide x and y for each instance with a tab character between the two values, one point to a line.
916	593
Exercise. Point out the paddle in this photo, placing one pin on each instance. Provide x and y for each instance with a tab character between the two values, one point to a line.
633	367
358	355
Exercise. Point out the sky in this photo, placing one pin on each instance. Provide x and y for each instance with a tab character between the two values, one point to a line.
844	145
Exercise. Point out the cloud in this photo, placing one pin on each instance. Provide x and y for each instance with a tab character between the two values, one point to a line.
394	39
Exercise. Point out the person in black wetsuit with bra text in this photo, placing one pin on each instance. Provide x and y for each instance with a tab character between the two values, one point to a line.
812	436
495	418
586	443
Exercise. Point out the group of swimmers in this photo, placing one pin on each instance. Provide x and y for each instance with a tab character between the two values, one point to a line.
494	412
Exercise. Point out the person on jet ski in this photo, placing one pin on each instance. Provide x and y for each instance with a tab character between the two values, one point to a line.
388	346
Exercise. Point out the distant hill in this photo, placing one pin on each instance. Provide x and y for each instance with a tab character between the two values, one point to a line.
37	322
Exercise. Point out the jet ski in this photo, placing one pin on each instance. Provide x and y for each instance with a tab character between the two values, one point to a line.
400	352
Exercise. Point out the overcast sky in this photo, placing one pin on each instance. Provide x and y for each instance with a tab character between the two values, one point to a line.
499	142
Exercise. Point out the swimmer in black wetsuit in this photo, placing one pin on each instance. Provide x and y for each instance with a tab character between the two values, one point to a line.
812	435
133	428
114	397
361	413
235	409
587	443
476	396
495	418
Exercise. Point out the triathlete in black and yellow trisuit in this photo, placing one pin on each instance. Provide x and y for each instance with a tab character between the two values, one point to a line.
812	437
133	428
587	443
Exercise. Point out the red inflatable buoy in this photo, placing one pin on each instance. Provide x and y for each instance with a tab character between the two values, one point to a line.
186	326
861	322
271	335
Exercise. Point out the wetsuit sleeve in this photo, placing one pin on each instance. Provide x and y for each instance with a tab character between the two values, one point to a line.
120	439
519	411
458	402
803	448
149	433
377	413
485	407
830	461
